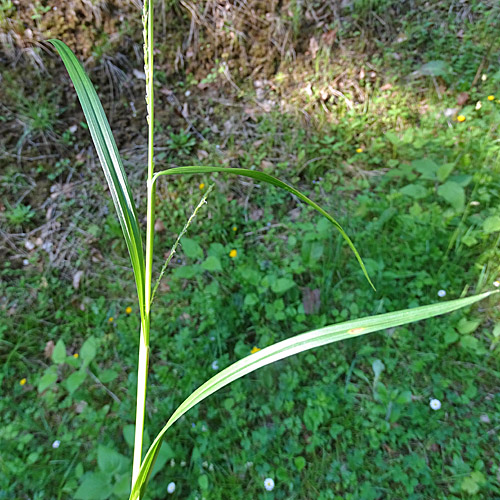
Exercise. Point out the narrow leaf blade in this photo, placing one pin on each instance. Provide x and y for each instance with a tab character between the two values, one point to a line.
289	347
110	161
261	176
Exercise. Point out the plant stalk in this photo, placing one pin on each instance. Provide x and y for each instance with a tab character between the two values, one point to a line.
142	370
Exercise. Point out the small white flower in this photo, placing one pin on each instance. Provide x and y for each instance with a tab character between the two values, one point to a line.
496	284
442	293
269	484
29	245
183	464
435	404
56	444
26	262
215	365
172	463
478	105
484	78
171	487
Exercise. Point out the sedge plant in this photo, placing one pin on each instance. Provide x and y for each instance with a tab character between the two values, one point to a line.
141	256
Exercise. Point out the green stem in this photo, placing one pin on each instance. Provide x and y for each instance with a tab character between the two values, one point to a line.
142	374
142	370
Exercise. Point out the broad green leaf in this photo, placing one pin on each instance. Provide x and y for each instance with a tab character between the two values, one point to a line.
88	350
426	167
110	461
469	343
414	191
186	272
75	380
450	336
212	263
435	68
261	176
444	171
95	486
122	487
496	330
59	352
47	379
491	224
300	463
454	194
466	326
281	285
107	375
110	161
289	347
191	248
203	482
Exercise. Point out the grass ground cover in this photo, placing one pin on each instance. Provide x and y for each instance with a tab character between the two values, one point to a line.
419	190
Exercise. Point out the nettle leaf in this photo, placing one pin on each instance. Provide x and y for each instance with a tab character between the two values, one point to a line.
454	194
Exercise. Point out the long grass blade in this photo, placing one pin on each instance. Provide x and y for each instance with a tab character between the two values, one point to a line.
289	347
110	161
261	176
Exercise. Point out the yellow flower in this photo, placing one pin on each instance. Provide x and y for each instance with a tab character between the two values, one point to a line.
461	118
111	319
233	253
359	150
202	185
491	98
76	355
22	381
254	350
234	228
128	310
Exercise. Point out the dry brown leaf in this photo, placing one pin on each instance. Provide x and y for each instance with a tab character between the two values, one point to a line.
462	98
159	226
49	349
313	47
76	279
311	300
256	214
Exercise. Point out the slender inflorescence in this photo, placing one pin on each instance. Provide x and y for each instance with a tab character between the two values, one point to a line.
177	241
142	370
